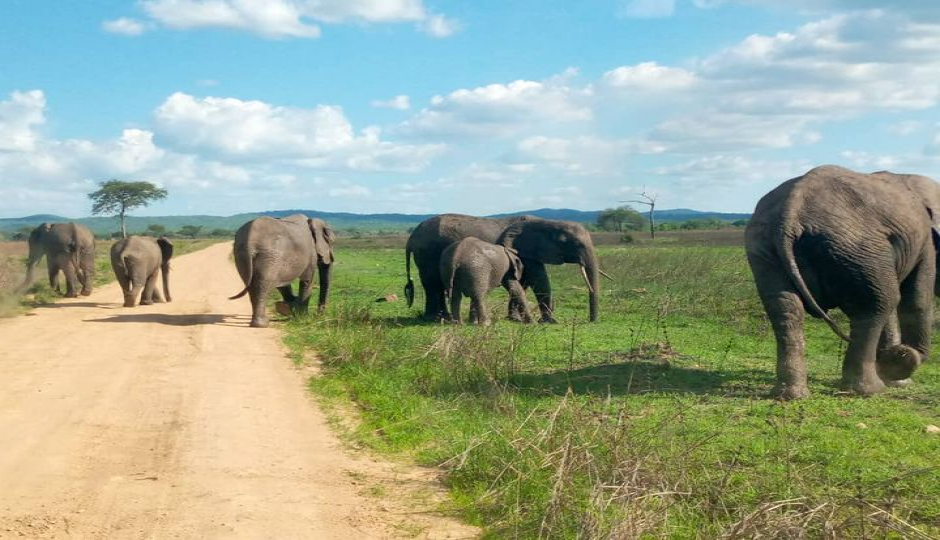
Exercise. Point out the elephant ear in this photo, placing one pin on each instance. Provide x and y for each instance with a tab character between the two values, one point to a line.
534	238
515	263
166	249
323	239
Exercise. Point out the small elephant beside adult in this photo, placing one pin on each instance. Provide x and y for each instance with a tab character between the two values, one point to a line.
538	242
273	253
69	248
471	267
865	243
136	261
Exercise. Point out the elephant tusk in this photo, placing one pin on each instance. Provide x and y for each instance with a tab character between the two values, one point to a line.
603	273
586	280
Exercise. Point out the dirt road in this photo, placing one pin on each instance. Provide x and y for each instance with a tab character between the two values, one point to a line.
177	421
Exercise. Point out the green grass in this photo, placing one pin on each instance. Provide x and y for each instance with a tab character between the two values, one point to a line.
653	422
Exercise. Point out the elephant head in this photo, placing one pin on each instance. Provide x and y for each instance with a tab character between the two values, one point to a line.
37	249
323	239
556	242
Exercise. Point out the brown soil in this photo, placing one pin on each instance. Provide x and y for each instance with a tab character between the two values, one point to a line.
178	421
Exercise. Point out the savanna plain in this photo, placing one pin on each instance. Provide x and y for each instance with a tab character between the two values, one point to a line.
654	422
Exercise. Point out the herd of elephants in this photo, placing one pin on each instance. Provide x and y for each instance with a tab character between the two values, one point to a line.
865	243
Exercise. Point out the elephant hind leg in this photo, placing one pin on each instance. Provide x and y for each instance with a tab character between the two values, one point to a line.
455	299
258	294
785	311
151	294
898	361
478	314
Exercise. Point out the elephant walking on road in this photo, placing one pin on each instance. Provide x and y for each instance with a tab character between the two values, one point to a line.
272	253
538	242
472	268
865	243
69	248
136	261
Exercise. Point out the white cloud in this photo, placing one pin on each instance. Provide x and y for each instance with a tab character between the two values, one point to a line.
321	137
399	102
349	190
649	76
293	18
499	110
20	116
124	26
440	26
647	9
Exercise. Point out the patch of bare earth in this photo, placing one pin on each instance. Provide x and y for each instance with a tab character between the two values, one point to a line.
178	421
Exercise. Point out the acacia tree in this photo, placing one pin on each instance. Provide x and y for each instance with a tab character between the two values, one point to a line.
620	218
116	198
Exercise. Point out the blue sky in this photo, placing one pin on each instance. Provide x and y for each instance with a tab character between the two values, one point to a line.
488	106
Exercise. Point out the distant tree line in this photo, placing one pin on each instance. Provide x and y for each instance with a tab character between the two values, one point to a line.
624	219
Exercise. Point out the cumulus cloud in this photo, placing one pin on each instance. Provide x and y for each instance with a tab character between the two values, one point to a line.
498	110
649	76
400	102
124	26
20	118
254	130
293	18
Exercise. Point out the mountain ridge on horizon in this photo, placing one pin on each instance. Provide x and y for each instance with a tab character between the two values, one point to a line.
339	220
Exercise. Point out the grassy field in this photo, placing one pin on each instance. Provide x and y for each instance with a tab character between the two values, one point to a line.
653	422
13	269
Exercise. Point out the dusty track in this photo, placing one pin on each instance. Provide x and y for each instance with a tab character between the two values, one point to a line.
176	421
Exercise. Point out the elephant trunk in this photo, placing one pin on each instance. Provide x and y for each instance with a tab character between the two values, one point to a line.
591	272
35	255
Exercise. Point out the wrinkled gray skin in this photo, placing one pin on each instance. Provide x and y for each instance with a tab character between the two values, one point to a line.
538	241
272	253
136	261
69	248
865	243
472	268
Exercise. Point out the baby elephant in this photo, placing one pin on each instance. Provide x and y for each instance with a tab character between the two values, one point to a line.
136	261
472	267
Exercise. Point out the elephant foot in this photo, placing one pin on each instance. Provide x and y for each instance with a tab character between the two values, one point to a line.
86	292
71	295
787	392
146	302
903	383
897	362
864	387
548	320
129	303
260	323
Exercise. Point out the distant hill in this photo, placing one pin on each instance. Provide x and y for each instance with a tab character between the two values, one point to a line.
342	221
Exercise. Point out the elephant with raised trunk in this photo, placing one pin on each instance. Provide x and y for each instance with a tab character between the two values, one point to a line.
865	243
538	241
136	261
69	248
272	253
472	268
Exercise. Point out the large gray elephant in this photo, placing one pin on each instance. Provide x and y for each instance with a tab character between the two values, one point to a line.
136	261
471	267
272	253
69	248
538	241
865	243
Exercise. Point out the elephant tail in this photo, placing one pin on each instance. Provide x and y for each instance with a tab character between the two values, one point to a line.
245	260
410	285
786	238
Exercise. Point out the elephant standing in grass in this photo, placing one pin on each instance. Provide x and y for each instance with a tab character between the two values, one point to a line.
69	248
538	242
865	243
272	253
472	268
136	261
